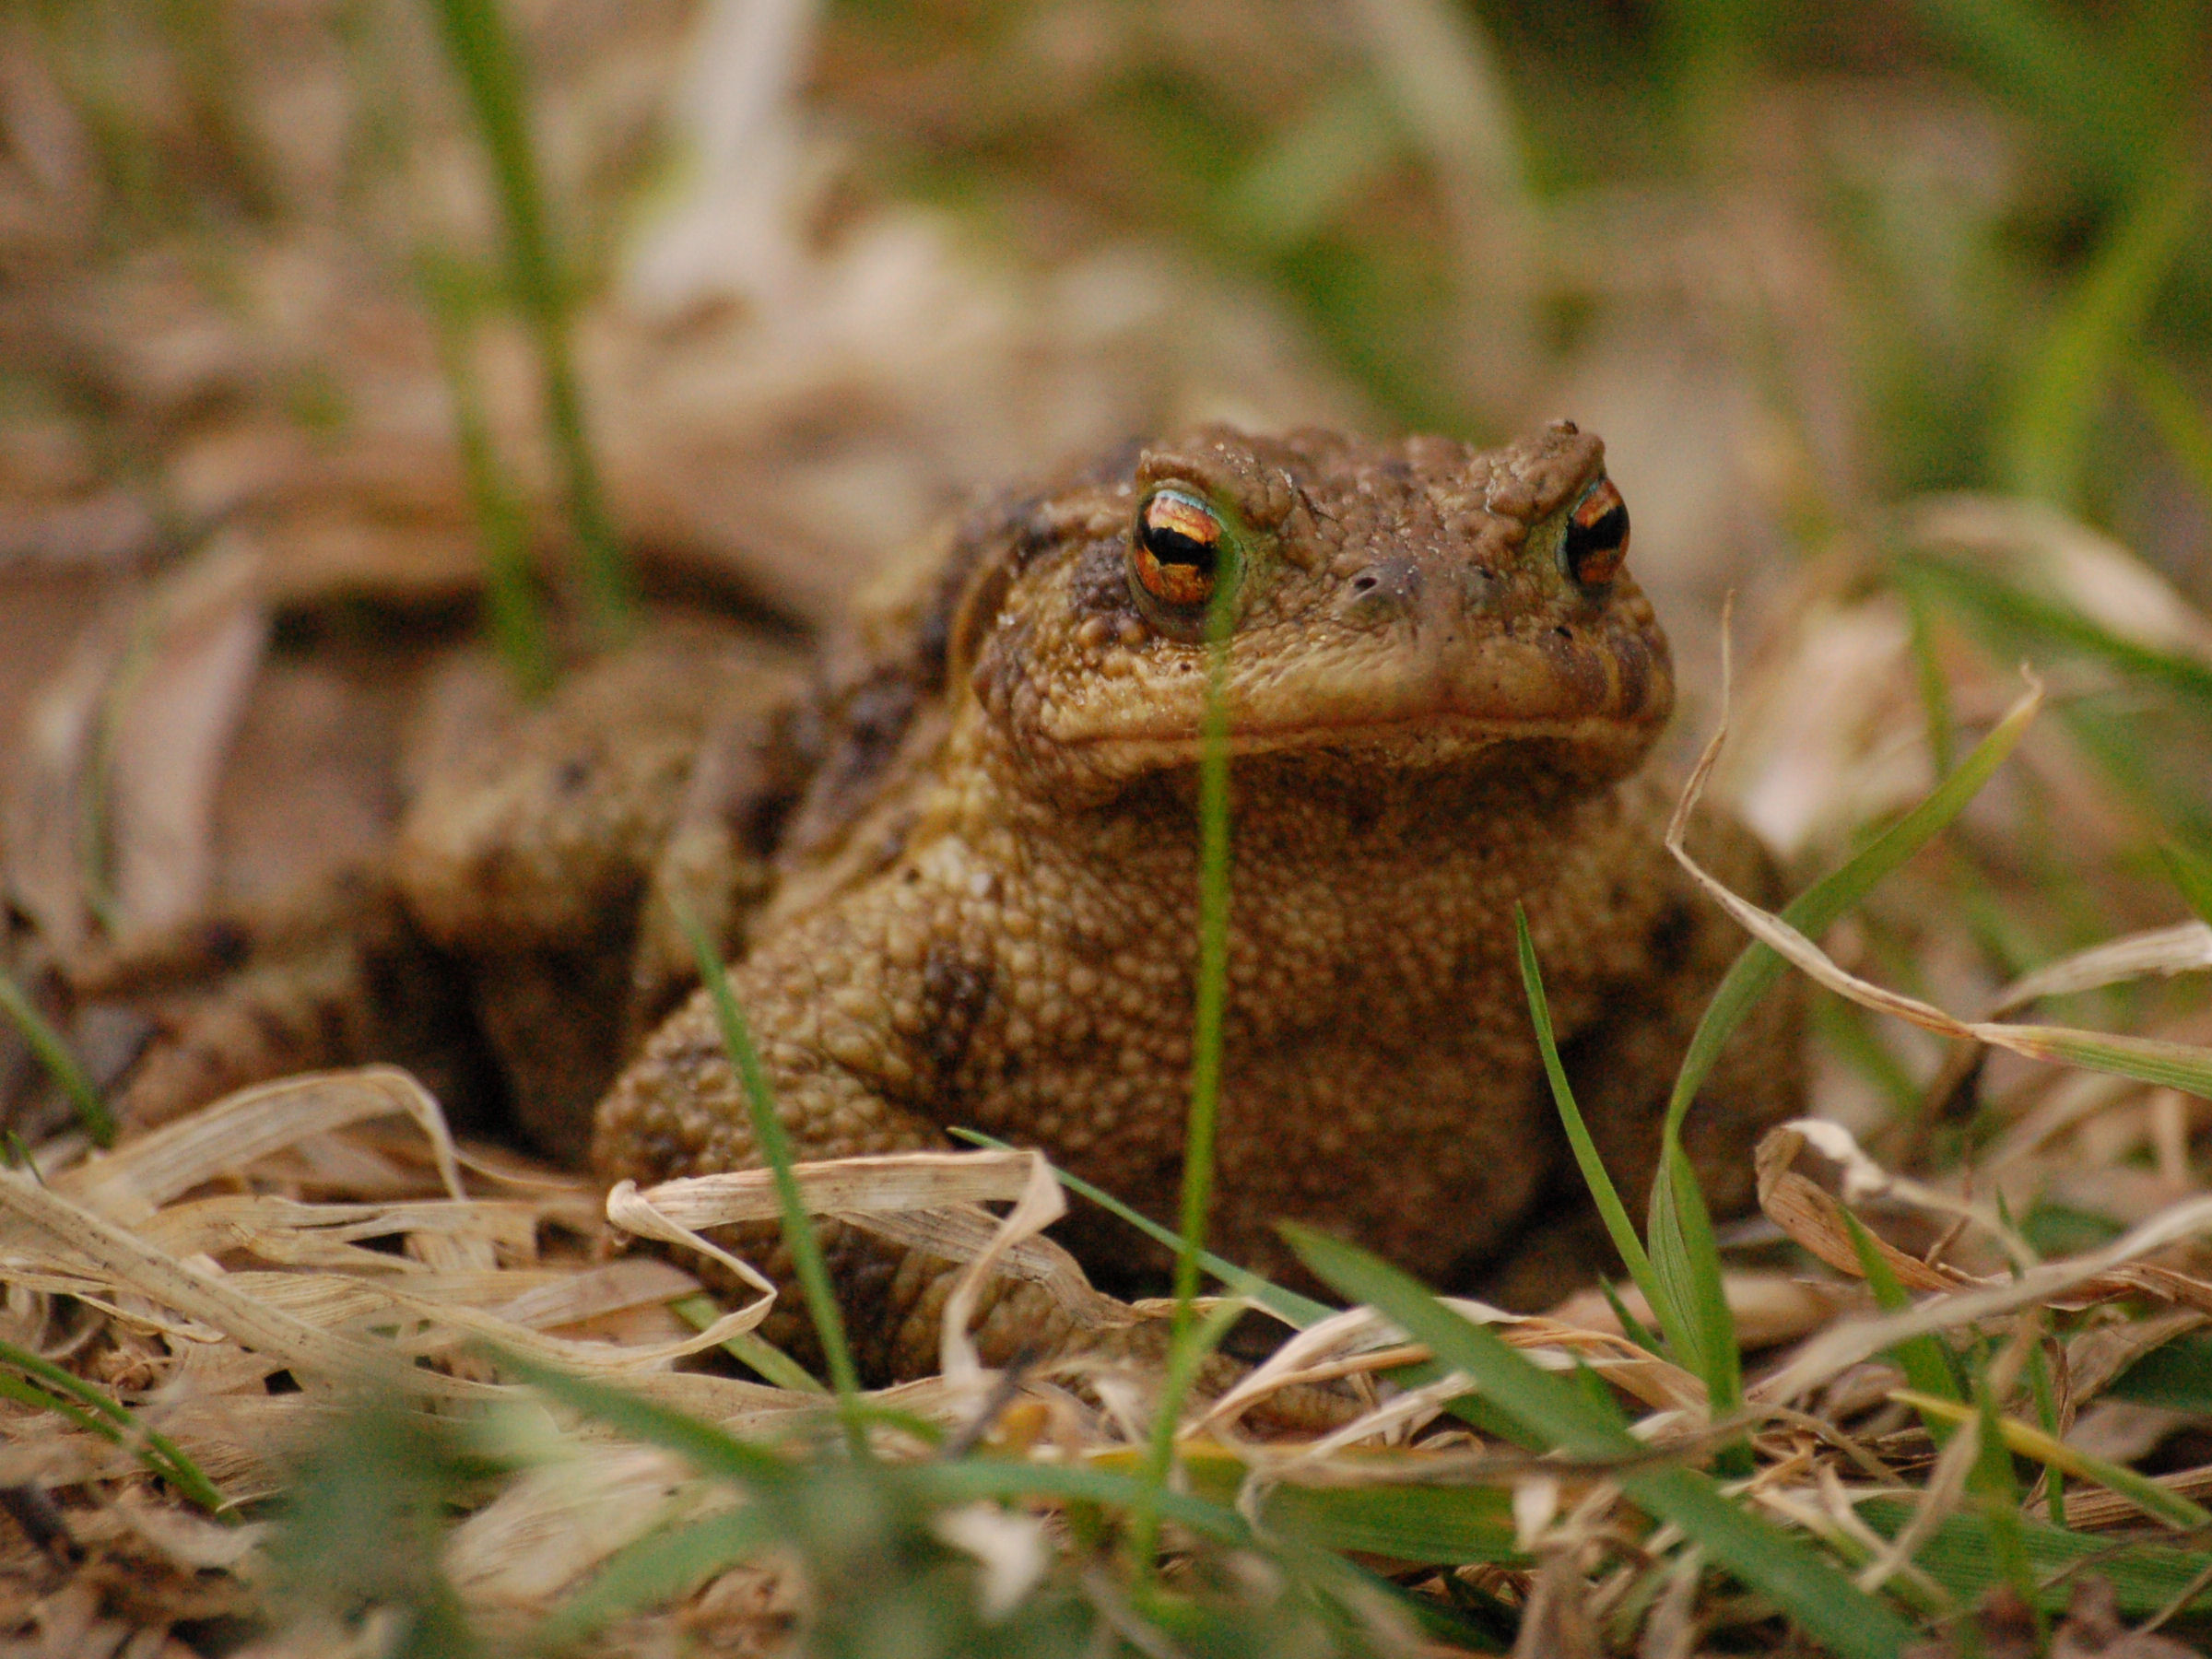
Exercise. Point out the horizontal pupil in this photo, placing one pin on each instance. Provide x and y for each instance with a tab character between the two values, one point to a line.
1607	532
1173	546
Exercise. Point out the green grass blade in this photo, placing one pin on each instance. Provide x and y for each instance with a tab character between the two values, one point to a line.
491	68
2018	616
650	1571
1805	1586
1637	1332
1811	913
1298	1312
2179	420
1210	1007
771	1363
703	1446
1686	1265
518	623
2046	1416
1998	1495
1607	1198
2176	1375
61	1064
1313	167
2064	81
2192	873
2047	427
2030	1441
1443	1525
774	1143
2146	1059
57	1390
1927	1363
1934	689
1957	1556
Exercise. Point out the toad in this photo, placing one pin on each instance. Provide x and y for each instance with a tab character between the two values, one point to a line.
970	870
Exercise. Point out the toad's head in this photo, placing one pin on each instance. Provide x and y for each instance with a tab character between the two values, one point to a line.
1417	606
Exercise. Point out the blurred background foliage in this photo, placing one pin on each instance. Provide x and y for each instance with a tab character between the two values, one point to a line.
1796	263
1956	243
827	269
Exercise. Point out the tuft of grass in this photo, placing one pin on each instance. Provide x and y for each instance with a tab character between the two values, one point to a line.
870	1529
484	54
45	1386
1685	1258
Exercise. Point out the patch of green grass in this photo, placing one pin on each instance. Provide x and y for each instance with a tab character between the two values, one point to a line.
1811	1591
1680	1269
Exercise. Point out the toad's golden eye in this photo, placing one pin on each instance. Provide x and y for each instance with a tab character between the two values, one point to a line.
1598	535
1175	554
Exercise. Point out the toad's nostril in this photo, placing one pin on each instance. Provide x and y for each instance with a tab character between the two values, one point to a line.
1384	582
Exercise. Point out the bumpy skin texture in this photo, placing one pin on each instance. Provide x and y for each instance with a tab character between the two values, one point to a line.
987	910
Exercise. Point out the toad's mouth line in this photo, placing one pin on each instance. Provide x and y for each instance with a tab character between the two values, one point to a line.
1457	731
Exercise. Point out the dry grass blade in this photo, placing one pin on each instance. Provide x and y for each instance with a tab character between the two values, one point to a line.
845	1187
48	1234
1360	1341
2031	1441
2182	949
138	1178
2099	1271
1816	1222
2181	1066
925	1200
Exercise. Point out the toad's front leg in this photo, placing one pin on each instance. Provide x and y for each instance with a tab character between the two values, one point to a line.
845	1021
